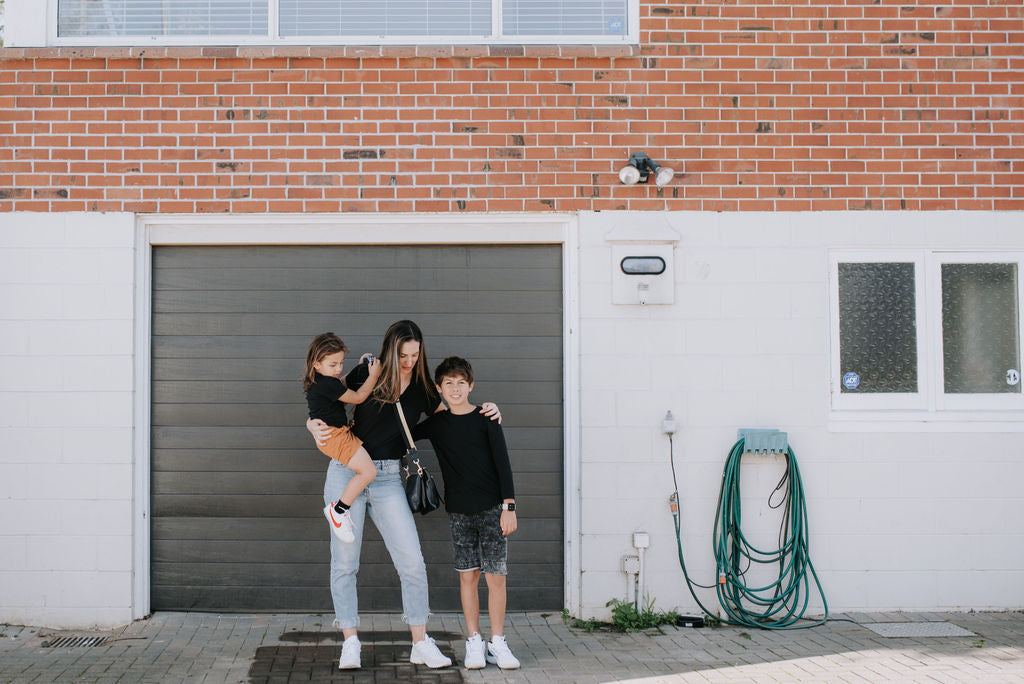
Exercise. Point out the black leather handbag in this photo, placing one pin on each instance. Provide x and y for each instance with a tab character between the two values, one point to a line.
420	488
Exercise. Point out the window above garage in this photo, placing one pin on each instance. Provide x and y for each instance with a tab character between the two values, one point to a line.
334	22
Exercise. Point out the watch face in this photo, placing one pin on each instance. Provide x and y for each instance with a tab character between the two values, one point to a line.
509	506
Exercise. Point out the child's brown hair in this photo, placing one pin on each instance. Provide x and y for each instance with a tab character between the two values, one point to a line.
453	367
322	345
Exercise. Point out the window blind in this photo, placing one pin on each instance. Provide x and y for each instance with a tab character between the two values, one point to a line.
385	18
563	17
162	17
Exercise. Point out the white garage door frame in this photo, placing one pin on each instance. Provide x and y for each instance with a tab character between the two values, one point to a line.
347	229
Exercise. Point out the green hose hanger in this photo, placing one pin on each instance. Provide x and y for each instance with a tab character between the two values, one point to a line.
779	604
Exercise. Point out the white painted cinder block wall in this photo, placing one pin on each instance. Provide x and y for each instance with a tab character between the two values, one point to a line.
66	331
906	518
915	519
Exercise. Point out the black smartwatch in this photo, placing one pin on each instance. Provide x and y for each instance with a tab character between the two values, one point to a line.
508	506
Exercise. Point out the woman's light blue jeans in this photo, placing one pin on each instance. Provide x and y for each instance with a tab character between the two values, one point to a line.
384	500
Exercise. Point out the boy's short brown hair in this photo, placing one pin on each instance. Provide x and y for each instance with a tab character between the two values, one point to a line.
453	367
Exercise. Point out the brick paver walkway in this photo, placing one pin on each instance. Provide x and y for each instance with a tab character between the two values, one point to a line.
198	647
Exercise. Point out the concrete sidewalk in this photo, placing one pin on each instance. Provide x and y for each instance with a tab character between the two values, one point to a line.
203	647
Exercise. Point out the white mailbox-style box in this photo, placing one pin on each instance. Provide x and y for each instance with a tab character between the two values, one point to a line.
643	264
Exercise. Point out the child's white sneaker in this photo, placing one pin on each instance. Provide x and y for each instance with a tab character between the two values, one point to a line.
498	653
350	654
476	653
341	524
427	653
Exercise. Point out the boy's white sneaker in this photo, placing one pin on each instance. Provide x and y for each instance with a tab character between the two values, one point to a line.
476	653
427	653
498	653
341	524
350	654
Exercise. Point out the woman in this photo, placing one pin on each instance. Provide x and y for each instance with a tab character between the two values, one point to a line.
404	376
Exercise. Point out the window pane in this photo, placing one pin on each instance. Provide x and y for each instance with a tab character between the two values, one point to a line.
563	17
161	17
980	345
877	328
385	17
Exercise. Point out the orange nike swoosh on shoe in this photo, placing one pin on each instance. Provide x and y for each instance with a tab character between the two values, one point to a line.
336	524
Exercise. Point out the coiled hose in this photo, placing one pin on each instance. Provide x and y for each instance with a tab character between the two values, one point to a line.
777	605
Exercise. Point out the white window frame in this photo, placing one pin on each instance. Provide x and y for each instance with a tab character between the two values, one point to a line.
880	400
930	402
46	12
994	402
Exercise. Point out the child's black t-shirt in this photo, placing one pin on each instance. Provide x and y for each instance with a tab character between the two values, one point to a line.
474	459
377	424
322	400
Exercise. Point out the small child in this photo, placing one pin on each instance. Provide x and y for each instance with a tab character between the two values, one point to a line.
325	393
480	500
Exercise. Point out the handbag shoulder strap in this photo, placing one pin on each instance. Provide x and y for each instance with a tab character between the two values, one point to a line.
409	443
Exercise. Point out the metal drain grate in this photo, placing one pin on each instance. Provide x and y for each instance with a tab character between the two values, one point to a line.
75	642
917	629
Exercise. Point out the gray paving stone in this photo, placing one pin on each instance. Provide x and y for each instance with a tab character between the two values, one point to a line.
214	648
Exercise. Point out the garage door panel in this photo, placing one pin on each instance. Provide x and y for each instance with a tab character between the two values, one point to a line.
396	304
307	460
253	460
212	392
241	257
236	480
289	369
234	505
369	280
225	484
245	324
249	599
229	437
288	415
523	348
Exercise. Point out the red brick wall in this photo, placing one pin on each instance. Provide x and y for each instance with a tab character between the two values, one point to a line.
785	105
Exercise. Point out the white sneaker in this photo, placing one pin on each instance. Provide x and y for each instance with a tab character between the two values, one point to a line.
426	653
476	653
341	524
350	654
499	654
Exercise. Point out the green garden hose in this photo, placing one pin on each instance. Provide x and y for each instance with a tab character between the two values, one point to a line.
777	605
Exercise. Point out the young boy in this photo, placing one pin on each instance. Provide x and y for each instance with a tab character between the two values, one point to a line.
481	504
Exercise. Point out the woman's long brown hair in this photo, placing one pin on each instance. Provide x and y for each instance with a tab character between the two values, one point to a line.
389	385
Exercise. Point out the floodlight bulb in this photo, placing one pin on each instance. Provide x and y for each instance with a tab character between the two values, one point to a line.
629	175
663	176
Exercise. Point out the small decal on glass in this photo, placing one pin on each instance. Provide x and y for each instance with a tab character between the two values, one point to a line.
1012	377
851	380
615	25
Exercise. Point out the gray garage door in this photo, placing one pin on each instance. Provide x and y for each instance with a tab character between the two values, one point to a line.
236	480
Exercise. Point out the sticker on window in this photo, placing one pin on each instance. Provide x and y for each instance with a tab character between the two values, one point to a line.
616	25
1012	377
851	380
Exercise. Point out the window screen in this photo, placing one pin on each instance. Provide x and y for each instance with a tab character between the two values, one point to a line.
161	17
385	17
563	17
877	327
980	343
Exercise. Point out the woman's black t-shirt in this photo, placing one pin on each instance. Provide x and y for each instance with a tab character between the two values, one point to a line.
377	424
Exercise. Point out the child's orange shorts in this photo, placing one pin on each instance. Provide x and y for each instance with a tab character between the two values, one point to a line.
341	445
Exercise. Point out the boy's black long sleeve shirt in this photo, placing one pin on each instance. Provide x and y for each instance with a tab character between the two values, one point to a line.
474	459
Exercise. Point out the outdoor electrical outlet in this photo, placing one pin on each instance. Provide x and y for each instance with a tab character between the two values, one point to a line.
641	540
631	565
668	424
